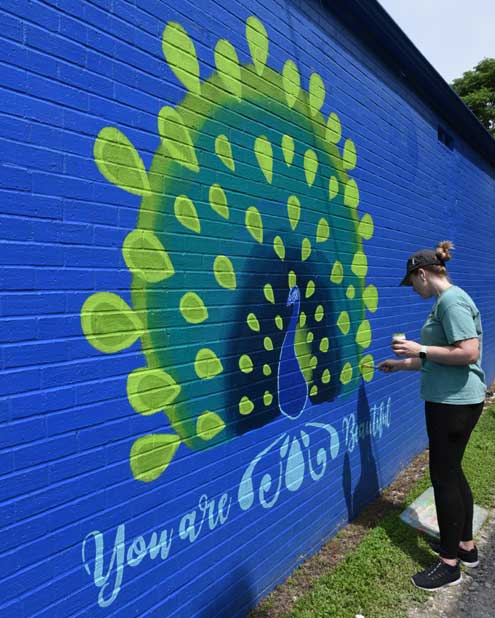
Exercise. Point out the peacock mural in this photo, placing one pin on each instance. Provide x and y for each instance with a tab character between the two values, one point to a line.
249	292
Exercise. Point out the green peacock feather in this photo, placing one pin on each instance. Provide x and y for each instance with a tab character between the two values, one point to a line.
248	195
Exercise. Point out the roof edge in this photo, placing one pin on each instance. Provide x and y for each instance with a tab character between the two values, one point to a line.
370	21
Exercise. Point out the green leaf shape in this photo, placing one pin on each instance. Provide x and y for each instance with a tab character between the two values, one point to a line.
150	390
333	187
279	322
288	148
207	364
254	223
316	93
120	163
363	334
108	323
324	344
246	406
192	308
292	279
146	257
279	247
322	230
346	373
268	292
334	129
351	194
228	67
245	364
366	367
253	323
344	322
350	292
310	166
291	81
267	371
326	376
310	337
313	391
370	298
267	398
151	455
366	227
337	274
319	313
349	155
302	350
268	344
359	264
224	272
218	201
176	138
310	289
264	155
293	211
305	249
257	39
209	425
223	150
180	52
186	213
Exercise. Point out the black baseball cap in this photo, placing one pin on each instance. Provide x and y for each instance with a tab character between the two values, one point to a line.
424	257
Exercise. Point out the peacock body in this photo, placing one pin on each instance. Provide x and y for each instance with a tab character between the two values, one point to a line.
249	287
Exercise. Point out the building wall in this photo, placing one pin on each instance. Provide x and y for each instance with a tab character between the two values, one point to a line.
206	211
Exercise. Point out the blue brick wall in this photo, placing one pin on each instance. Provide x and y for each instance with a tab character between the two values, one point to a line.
192	489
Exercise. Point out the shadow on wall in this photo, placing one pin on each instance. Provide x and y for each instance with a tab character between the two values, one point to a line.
368	485
236	599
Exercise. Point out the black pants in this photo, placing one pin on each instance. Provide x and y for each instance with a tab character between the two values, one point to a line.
449	427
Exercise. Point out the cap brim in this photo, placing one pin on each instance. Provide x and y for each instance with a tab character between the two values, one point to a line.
405	281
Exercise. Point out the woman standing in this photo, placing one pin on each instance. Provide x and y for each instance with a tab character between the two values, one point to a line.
452	385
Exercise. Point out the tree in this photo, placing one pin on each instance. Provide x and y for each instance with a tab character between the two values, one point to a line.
477	89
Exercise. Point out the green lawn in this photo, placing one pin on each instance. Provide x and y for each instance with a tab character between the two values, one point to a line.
374	579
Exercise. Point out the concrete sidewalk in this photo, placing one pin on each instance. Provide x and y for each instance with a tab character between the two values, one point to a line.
475	597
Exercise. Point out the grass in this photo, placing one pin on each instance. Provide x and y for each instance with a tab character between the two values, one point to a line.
374	579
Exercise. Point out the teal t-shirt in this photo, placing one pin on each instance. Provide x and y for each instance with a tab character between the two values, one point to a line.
454	317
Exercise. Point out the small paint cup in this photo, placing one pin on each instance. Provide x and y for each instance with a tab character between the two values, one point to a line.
398	337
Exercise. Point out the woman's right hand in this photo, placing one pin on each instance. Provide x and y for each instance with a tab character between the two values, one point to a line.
390	365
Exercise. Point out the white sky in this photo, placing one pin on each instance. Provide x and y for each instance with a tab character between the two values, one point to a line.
453	35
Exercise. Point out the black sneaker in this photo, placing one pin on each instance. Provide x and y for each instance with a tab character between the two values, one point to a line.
468	558
438	576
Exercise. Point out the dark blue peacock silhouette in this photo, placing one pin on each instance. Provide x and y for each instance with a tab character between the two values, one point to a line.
249	291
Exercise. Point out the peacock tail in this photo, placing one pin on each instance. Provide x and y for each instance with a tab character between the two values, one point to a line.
248	196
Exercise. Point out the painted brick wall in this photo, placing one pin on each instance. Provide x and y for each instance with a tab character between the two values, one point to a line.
194	265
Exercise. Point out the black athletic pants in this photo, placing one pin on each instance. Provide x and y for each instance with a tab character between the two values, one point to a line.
449	427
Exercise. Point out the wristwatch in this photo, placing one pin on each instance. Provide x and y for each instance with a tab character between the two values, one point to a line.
422	353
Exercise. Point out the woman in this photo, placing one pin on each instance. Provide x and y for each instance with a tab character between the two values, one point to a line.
452	385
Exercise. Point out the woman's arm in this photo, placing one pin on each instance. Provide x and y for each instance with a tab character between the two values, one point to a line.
409	364
459	353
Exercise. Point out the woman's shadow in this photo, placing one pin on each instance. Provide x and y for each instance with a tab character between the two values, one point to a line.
379	511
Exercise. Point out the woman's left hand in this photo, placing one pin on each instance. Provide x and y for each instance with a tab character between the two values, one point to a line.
404	347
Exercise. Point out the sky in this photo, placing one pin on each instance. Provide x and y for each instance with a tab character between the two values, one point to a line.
453	35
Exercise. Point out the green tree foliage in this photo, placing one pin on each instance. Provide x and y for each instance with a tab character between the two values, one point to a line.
477	89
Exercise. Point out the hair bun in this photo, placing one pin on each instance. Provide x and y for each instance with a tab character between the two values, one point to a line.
443	250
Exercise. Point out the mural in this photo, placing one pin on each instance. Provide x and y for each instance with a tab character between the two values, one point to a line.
249	292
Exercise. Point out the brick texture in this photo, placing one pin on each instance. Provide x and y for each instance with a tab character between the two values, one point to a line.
206	208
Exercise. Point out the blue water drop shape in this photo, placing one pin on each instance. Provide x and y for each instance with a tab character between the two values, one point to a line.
294	472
